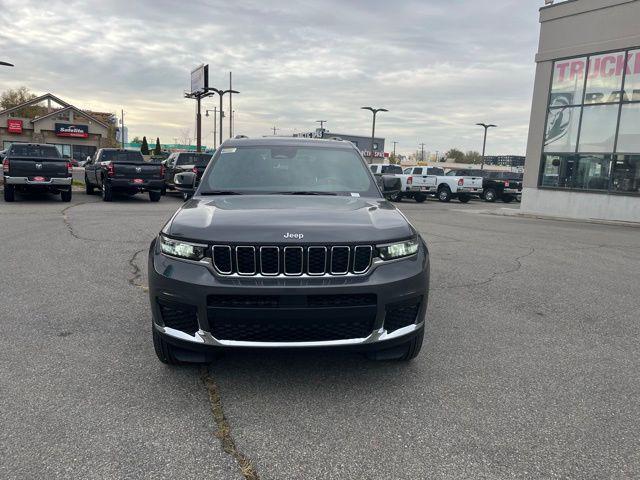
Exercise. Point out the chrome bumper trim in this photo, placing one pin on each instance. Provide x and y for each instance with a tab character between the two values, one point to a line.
26	181
205	338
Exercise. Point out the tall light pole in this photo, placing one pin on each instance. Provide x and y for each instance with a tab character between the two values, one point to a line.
275	129
373	129
215	121
394	149
221	93
422	154
484	142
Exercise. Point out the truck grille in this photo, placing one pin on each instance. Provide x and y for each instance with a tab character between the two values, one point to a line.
272	260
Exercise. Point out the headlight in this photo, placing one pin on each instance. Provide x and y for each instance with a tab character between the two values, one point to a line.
398	250
176	248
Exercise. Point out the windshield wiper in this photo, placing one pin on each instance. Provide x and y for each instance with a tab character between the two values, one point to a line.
220	192
305	193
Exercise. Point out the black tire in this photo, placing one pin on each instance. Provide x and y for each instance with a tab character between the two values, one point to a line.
164	350
88	188
420	197
155	196
397	198
402	353
9	193
444	194
107	193
186	196
464	198
65	195
490	195
507	198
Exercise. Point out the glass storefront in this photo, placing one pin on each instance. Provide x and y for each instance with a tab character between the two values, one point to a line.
592	135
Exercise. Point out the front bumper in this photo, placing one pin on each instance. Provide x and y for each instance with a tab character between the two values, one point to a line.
26	181
190	283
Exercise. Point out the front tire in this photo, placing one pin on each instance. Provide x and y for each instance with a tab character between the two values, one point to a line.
155	196
107	193
444	194
9	193
164	350
65	195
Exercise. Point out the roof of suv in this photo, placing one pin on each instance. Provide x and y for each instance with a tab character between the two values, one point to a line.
287	142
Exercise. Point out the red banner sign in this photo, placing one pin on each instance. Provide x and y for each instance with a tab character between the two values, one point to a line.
14	126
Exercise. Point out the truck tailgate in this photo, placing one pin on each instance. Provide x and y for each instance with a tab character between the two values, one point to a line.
41	167
472	182
420	182
137	170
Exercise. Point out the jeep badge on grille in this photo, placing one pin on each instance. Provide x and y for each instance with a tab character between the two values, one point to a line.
297	236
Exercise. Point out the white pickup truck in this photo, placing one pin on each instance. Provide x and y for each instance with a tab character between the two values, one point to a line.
421	181
417	185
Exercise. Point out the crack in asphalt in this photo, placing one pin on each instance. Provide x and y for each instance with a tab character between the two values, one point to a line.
67	221
494	275
136	272
69	224
224	429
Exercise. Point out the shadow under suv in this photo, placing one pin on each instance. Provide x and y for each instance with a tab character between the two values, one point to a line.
287	243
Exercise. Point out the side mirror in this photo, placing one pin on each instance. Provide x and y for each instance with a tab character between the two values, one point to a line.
185	182
390	185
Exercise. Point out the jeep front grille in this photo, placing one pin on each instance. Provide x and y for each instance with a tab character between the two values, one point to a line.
292	260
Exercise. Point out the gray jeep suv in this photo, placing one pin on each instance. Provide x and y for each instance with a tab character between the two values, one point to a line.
287	243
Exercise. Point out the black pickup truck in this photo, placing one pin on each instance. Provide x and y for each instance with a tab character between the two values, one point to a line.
30	167
505	186
115	170
180	162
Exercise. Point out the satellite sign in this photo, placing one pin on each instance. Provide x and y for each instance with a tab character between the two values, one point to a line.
200	79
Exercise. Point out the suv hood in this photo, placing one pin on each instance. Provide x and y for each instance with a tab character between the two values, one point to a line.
267	219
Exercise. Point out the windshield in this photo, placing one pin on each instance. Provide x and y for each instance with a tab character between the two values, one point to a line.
287	169
36	151
200	160
122	156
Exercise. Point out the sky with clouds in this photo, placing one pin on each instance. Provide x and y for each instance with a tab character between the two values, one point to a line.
439	66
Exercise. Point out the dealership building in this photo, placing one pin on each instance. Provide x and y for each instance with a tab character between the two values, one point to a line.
363	143
47	119
583	153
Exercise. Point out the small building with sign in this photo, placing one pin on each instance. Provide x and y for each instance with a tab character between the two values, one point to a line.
583	152
362	142
76	133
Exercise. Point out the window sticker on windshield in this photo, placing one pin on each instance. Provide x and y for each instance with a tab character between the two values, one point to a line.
355	194
228	150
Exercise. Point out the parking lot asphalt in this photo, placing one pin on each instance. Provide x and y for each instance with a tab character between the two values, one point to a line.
530	367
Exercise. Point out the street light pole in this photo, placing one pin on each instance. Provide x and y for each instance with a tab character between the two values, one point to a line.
221	93
394	149
374	111
215	121
275	129
422	154
484	142
321	122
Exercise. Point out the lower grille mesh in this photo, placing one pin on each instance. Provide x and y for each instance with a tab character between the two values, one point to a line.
179	316
400	315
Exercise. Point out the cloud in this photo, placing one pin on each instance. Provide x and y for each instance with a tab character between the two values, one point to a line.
438	66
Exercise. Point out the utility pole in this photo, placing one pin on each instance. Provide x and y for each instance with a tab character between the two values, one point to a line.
275	130
484	142
122	128
394	149
422	154
230	107
321	122
374	111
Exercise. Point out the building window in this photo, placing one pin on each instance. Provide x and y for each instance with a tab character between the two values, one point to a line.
626	174
592	134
